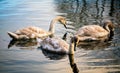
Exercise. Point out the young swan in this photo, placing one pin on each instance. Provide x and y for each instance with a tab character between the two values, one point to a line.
33	32
95	32
57	45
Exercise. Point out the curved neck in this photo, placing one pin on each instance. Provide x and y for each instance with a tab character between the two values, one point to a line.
110	30
71	59
73	64
52	26
106	28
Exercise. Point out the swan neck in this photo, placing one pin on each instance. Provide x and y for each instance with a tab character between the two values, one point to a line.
71	59
52	26
110	30
71	48
107	28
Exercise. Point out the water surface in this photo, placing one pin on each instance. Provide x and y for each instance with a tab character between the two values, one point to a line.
27	58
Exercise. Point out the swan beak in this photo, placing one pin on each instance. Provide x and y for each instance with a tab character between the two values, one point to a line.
65	26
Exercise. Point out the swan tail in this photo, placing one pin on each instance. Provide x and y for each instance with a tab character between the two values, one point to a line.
13	35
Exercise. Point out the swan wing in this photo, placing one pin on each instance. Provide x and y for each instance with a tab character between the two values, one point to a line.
93	31
32	32
30	29
55	45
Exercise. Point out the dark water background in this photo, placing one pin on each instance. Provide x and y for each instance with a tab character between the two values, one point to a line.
26	58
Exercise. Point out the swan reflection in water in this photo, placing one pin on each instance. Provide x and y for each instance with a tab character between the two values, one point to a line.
53	56
28	44
73	64
94	45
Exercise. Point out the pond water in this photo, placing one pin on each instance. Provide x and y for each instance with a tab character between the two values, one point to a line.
27	58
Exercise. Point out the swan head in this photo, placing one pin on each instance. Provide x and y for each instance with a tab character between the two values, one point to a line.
62	20
108	25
